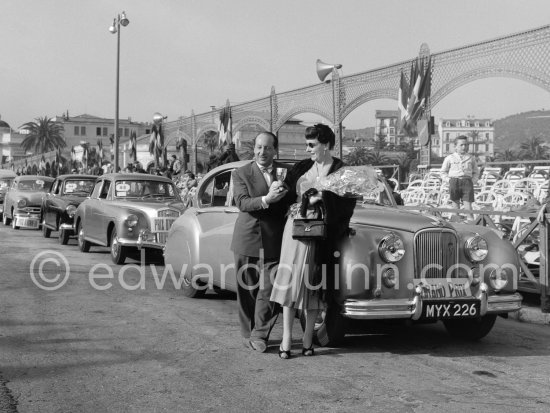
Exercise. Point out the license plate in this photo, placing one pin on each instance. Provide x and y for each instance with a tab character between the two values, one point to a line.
27	222
450	309
163	224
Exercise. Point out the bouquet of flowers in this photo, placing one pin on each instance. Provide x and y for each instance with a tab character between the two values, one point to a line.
355	181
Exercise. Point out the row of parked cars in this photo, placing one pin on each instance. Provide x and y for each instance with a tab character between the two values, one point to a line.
121	211
394	263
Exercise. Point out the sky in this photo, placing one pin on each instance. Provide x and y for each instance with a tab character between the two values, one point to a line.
178	56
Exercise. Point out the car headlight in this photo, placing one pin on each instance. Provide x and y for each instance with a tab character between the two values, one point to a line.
476	248
70	210
498	279
131	220
22	203
391	248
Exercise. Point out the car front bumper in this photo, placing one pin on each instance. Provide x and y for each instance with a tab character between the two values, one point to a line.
146	239
26	220
412	308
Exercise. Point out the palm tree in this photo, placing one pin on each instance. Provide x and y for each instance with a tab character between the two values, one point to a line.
44	135
506	155
376	158
247	150
533	148
211	141
358	156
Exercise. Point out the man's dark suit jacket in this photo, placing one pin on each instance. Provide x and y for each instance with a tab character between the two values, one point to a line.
257	228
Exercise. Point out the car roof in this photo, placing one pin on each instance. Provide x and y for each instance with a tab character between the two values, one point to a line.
77	176
135	176
31	177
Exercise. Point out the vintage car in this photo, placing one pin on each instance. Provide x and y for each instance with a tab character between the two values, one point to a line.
127	211
393	264
6	178
23	201
60	203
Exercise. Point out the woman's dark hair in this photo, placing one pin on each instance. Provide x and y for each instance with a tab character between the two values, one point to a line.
322	133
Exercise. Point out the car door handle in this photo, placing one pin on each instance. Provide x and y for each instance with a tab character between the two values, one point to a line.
231	211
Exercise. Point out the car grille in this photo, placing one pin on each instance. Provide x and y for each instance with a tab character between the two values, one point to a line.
162	224
436	251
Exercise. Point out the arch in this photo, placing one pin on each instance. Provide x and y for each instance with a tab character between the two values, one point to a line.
211	127
526	74
252	120
283	119
386	93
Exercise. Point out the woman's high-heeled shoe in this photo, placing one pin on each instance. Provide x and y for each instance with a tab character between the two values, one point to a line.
308	351
284	354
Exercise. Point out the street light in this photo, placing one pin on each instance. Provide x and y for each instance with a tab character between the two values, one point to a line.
121	19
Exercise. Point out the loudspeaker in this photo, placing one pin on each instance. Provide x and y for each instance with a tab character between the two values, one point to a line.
323	69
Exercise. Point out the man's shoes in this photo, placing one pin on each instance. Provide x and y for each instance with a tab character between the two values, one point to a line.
258	345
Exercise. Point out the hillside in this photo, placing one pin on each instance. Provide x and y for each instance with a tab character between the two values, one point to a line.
513	129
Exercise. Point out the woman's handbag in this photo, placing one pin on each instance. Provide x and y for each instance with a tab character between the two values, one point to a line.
310	228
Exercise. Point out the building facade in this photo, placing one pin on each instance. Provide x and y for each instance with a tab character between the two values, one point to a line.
480	131
10	144
89	129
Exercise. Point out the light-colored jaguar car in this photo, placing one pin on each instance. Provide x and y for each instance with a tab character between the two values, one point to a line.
392	263
127	211
23	201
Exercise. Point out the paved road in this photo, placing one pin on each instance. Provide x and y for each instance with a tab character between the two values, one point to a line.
80	348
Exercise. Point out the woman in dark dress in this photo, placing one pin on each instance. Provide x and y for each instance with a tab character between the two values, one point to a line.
292	288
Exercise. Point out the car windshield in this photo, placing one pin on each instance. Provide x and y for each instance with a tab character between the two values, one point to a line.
5	182
145	189
78	186
34	185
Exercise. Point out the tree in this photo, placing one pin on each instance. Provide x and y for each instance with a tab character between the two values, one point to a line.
533	149
44	135
211	141
506	155
358	156
247	150
376	158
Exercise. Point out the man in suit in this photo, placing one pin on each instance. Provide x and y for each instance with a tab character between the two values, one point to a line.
257	239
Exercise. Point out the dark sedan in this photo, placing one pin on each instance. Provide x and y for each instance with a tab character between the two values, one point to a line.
59	205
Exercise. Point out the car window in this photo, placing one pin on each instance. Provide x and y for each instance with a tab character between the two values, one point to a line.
78	186
145	189
105	190
34	185
217	191
97	187
56	187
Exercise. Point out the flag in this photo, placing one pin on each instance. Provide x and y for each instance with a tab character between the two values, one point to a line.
73	154
413	98
402	99
225	127
237	140
153	140
133	146
85	154
100	149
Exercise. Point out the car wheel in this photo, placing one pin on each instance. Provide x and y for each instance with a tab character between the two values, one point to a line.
64	237
330	327
118	252
472	328
192	289
83	245
45	230
5	220
14	223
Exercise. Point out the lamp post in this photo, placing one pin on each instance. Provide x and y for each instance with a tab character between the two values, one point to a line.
121	19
